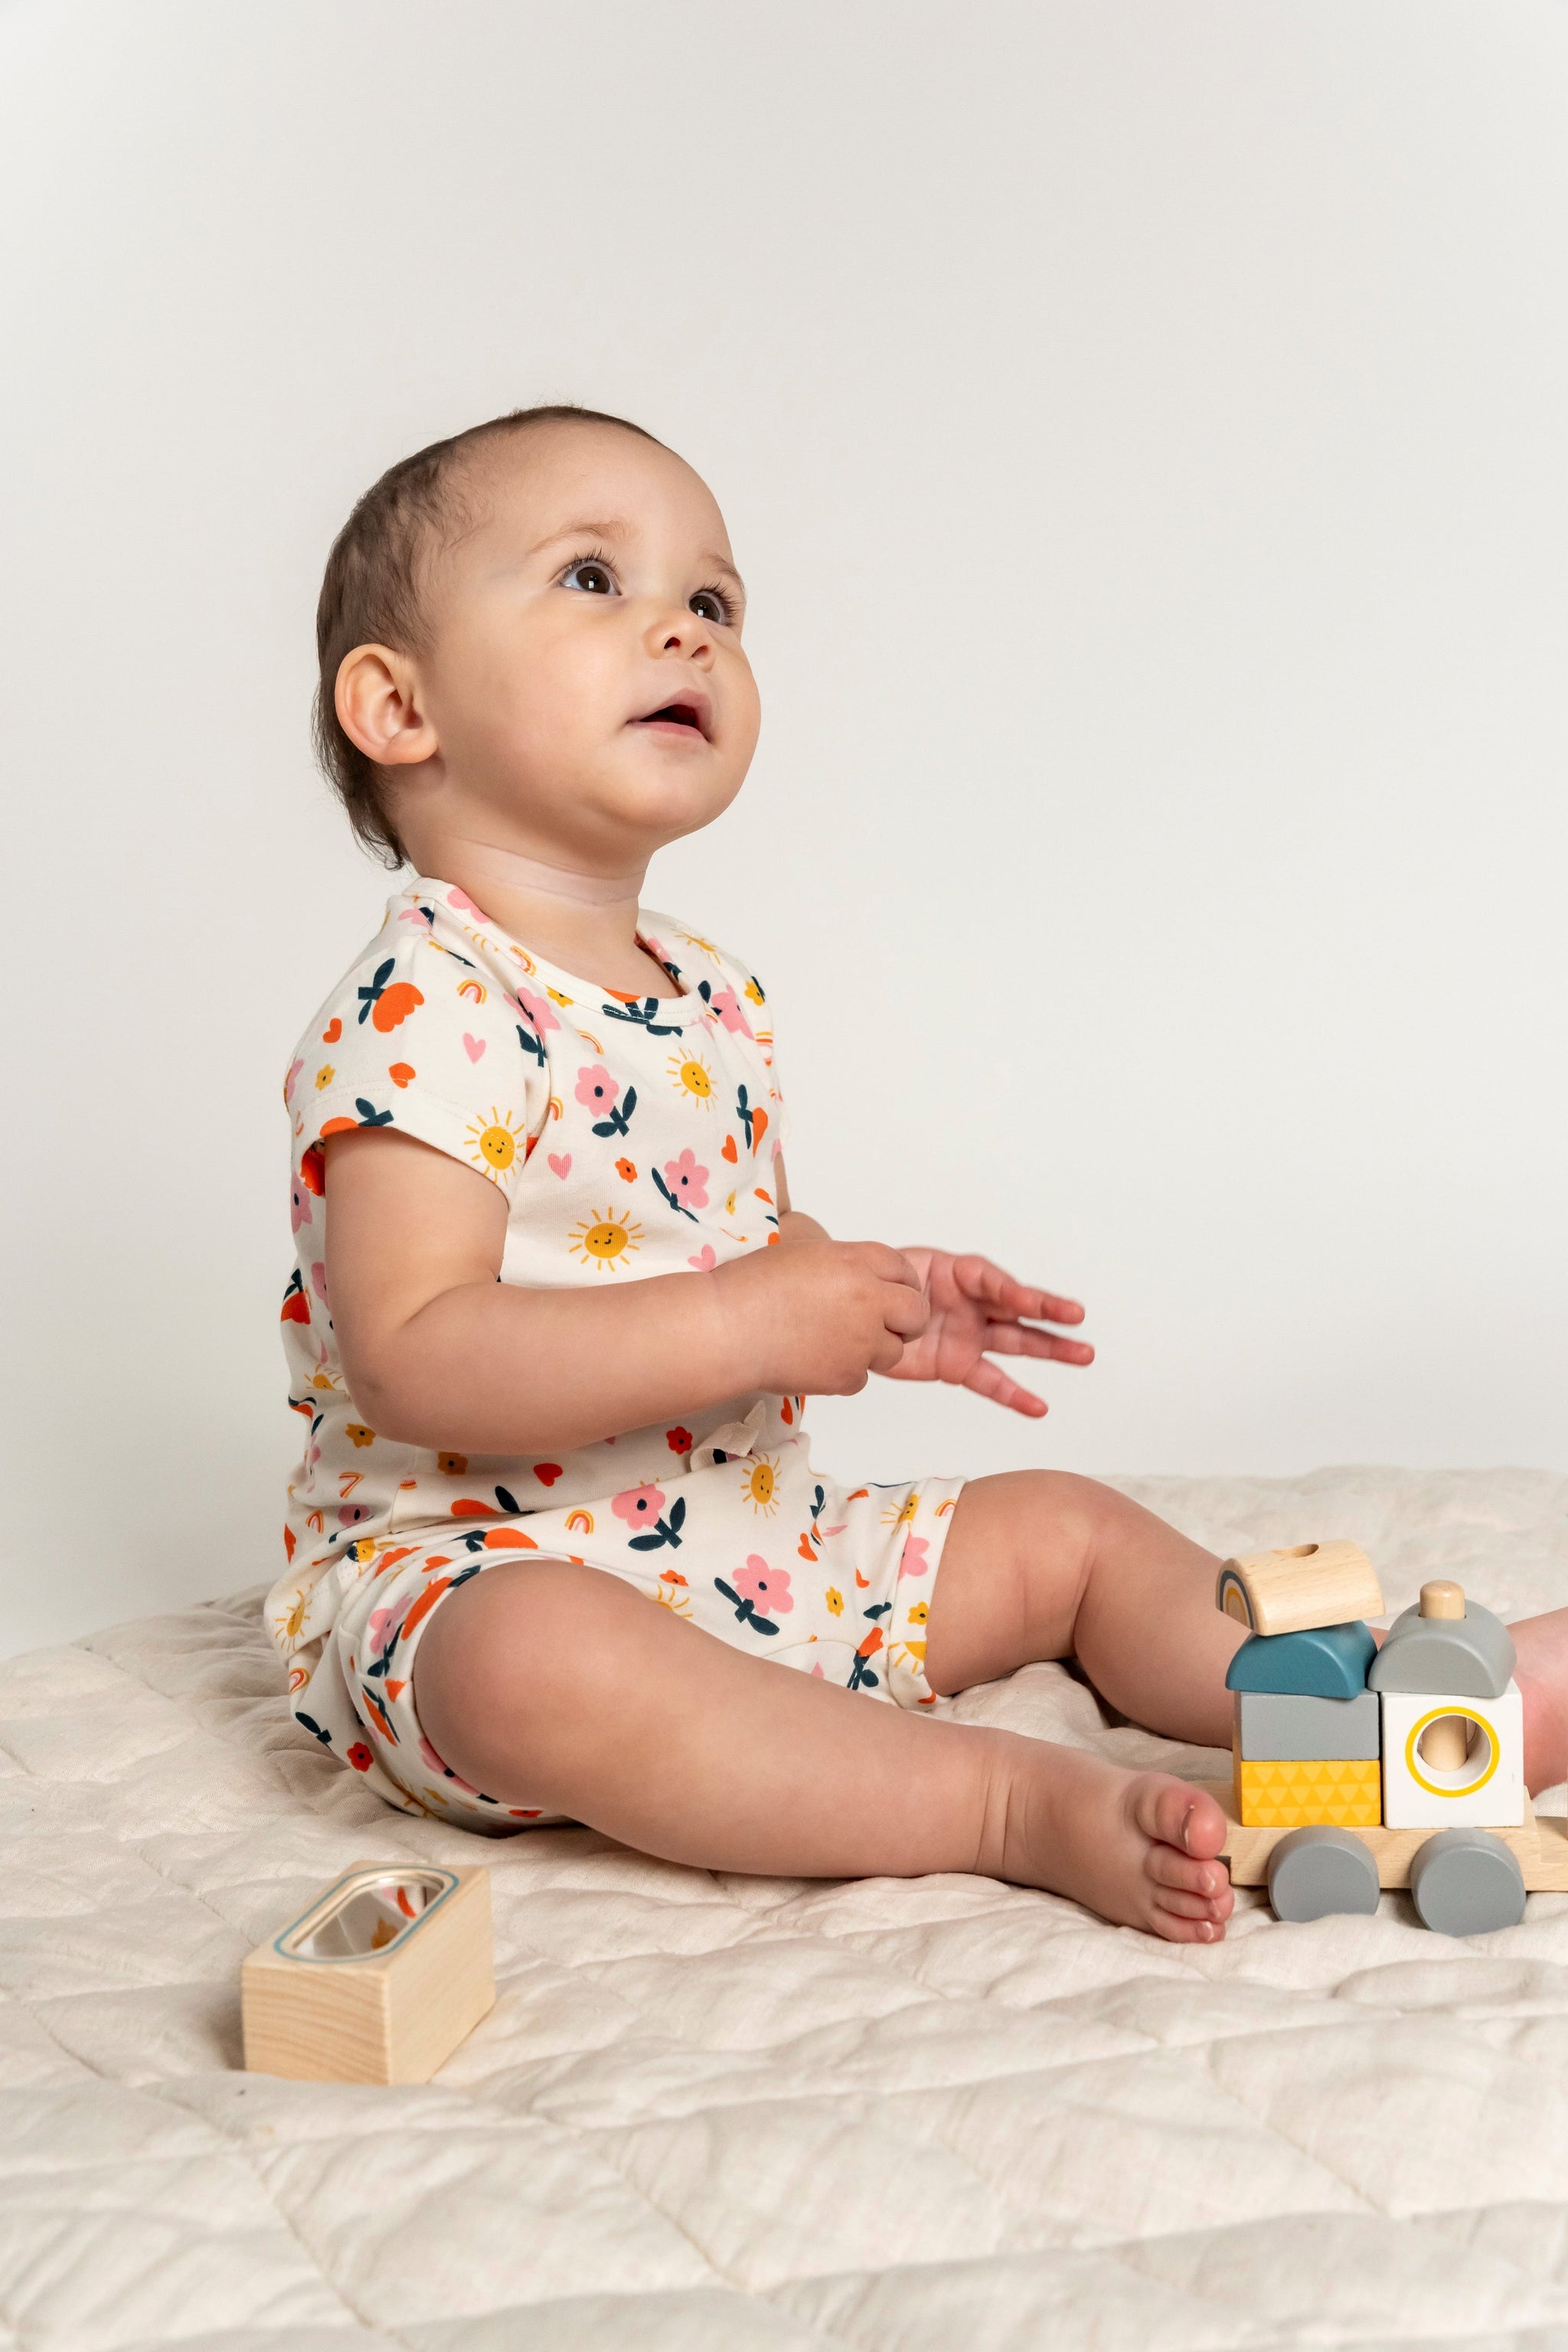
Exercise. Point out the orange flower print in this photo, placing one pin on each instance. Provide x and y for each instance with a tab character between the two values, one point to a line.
678	1440
920	1612
359	1434
360	1757
834	1599
325	1076
387	1004
453	1464
627	1171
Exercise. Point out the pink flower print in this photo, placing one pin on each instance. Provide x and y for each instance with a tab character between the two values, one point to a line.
465	905
767	1589
377	1625
420	915
725	1003
912	1560
294	1070
299	1205
318	1279
639	1505
537	1010
596	1089
351	1514
687	1179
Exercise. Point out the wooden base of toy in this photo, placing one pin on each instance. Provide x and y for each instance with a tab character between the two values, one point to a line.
1540	1845
377	1982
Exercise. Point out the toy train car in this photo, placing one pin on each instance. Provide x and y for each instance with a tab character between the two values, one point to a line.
1357	1767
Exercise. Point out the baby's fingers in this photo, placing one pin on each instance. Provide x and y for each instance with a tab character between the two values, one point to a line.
980	1279
988	1380
1020	1339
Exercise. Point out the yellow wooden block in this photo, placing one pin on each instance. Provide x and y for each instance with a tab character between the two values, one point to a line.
1292	1796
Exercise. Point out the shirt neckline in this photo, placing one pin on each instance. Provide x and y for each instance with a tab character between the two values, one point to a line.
425	886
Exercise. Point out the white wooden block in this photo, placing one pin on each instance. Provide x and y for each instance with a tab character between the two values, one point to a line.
1486	1792
377	1982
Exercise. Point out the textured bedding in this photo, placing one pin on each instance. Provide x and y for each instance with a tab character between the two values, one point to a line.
719	2112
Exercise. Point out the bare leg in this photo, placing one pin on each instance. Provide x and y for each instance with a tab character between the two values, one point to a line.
1041	1564
1541	1674
551	1685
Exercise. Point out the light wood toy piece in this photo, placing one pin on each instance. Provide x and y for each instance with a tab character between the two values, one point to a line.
1292	1591
377	1982
1540	1845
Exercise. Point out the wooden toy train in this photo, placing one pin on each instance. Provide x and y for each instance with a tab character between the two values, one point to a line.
1357	1767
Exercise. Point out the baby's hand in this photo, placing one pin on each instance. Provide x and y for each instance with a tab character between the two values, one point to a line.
819	1315
973	1307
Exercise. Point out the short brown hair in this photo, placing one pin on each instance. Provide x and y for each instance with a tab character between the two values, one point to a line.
370	593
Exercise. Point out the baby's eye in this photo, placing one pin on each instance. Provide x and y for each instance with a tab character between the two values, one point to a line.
593	578
710	605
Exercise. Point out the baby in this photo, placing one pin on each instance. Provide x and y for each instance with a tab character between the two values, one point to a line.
556	1547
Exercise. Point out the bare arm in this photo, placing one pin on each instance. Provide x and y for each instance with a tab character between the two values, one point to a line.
438	1351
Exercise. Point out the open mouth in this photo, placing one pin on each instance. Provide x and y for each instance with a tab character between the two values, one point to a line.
687	712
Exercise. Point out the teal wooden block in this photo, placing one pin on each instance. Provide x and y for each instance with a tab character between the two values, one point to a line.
1325	1662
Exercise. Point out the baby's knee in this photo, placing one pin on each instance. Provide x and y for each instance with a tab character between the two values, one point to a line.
527	1627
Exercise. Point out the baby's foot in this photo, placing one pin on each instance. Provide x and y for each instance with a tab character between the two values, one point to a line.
1541	1674
1137	1847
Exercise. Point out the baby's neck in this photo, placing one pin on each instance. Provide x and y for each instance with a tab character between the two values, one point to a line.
585	922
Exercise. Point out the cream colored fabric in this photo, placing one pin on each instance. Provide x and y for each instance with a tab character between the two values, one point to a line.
711	2112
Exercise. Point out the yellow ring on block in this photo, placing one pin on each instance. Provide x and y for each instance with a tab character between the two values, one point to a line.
1231	1599
1435	1788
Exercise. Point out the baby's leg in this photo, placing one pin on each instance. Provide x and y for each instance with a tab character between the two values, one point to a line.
547	1684
1041	1564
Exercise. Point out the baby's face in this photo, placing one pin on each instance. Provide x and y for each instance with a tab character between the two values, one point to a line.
585	678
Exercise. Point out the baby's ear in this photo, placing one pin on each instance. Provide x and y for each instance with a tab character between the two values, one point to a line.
380	708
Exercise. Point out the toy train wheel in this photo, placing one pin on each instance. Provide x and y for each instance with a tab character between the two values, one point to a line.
1315	1871
1466	1882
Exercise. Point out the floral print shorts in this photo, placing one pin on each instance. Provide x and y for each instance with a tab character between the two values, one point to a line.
849	1603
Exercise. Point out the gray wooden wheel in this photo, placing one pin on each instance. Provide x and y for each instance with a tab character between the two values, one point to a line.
1467	1881
1314	1872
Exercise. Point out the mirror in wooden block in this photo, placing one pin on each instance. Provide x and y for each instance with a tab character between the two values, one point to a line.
377	1981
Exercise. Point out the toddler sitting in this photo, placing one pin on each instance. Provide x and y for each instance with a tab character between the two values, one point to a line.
554	1320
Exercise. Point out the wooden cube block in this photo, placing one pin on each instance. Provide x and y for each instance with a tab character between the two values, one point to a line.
1431	1783
1299	1793
377	1982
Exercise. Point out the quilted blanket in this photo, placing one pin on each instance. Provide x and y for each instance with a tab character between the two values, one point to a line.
712	2112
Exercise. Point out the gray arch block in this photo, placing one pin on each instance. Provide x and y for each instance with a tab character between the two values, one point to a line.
1461	1657
1465	1882
1314	1872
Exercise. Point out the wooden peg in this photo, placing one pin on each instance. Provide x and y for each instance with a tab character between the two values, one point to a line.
1442	1598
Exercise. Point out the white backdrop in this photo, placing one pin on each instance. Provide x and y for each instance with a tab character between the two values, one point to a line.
1142	427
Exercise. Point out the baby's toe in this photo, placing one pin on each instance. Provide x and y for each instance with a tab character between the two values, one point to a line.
1168	1868
1176	1929
1179	1816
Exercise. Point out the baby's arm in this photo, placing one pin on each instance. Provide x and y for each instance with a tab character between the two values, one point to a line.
439	1353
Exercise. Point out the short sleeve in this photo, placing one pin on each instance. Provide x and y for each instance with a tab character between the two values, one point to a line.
418	1039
